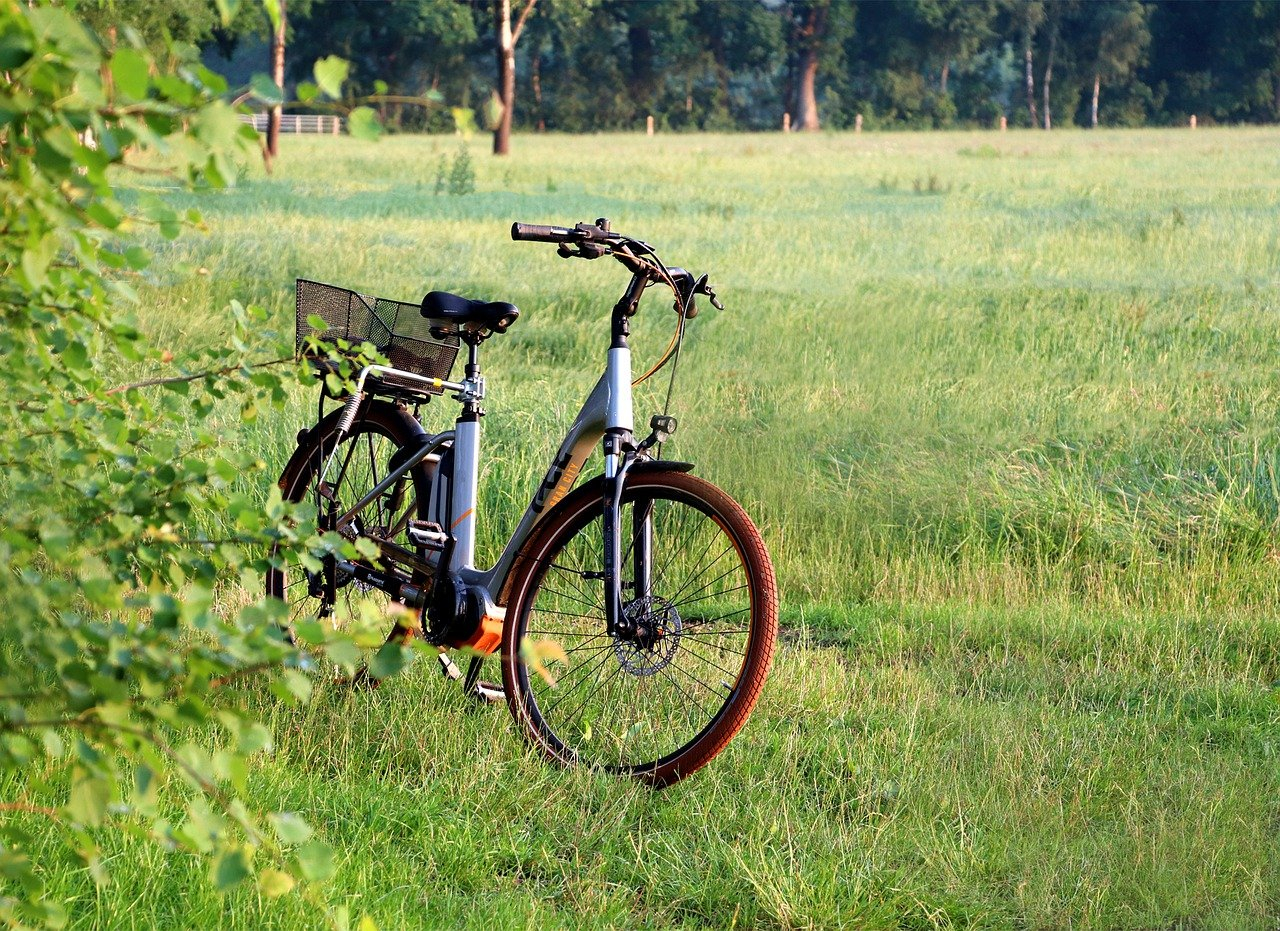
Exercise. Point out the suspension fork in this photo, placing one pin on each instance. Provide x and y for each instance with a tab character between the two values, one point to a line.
642	548
614	621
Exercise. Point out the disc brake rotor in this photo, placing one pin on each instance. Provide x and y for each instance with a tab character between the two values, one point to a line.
658	630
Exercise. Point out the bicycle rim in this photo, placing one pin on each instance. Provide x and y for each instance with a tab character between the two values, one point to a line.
323	591
661	705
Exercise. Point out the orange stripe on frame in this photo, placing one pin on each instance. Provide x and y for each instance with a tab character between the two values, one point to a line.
467	513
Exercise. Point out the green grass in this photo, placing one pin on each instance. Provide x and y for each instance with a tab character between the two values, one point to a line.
1004	406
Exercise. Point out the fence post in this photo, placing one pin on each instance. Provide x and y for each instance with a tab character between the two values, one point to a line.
1004	124
786	122
857	123
648	125
1193	121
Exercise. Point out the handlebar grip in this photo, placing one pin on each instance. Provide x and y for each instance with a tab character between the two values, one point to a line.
532	232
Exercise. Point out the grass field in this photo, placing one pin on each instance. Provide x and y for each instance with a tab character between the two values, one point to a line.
1005	407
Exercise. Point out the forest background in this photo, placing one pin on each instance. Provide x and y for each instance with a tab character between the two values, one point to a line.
593	65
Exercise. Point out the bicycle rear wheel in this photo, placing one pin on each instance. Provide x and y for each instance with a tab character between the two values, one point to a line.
330	592
661	703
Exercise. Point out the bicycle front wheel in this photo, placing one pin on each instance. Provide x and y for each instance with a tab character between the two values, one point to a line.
700	599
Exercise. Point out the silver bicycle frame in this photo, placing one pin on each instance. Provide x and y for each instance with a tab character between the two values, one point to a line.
607	407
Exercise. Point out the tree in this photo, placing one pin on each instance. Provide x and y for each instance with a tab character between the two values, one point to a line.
122	511
1120	35
507	37
277	75
809	31
955	31
1030	15
407	49
818	30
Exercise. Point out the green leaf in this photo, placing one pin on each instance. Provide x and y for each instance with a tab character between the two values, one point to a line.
230	869
310	632
131	73
306	91
145	787
36	259
290	828
266	90
343	651
389	660
76	357
363	124
493	111
15	50
315	861
330	73
90	795
275	883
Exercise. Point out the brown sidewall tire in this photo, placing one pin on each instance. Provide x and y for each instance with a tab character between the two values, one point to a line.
564	519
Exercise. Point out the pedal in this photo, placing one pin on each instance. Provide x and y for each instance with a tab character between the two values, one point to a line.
489	693
428	534
449	668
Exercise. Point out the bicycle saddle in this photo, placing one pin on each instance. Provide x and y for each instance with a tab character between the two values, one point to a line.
494	315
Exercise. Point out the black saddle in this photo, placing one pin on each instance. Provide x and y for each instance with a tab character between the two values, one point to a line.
494	315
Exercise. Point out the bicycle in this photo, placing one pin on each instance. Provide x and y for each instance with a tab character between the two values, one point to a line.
649	586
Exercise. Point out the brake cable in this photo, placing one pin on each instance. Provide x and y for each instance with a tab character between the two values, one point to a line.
677	338
672	351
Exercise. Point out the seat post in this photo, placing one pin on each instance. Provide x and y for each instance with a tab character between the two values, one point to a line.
473	358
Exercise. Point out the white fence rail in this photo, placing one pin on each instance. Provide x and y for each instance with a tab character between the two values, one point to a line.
298	123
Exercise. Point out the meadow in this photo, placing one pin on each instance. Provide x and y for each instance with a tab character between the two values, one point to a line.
1005	407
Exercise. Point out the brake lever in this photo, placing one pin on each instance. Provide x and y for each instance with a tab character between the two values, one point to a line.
585	250
703	286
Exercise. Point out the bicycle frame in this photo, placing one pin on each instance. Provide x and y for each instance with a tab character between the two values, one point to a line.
606	414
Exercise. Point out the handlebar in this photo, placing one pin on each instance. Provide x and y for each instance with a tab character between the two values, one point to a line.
596	239
532	232
583	232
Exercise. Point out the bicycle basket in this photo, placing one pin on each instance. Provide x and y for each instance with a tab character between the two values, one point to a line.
398	329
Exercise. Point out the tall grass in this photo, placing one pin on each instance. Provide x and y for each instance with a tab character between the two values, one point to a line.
1048	375
1004	406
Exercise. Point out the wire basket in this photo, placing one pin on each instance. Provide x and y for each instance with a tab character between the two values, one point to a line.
397	329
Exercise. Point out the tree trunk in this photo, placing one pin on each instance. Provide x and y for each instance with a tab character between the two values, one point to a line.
946	69
506	75
1048	78
277	75
808	102
1031	77
1093	110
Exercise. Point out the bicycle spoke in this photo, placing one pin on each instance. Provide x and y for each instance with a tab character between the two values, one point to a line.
570	598
693	578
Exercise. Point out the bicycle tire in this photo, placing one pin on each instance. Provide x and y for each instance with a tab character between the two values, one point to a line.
686	635
382	429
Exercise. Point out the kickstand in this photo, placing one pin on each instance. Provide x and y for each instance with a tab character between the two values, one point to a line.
486	692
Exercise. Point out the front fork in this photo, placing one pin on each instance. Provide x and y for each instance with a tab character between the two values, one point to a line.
624	456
